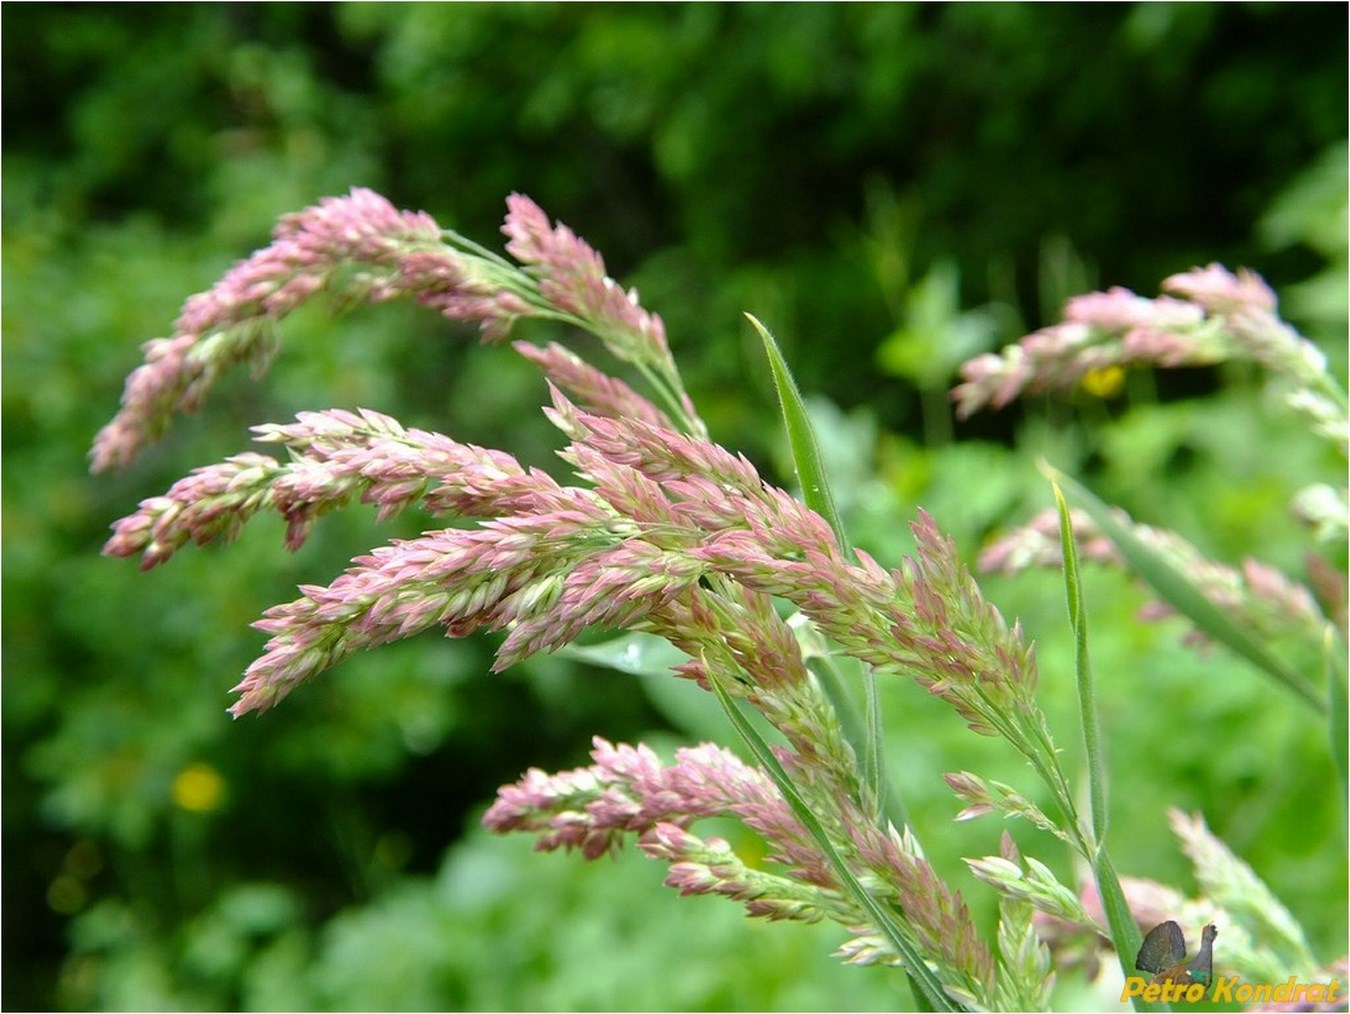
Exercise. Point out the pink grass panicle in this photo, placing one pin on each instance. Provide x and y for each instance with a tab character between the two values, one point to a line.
926	620
596	391
307	246
627	791
336	456
1255	595
1211	315
549	561
1246	306
712	866
361	248
572	278
462	579
231	322
1099	330
211	503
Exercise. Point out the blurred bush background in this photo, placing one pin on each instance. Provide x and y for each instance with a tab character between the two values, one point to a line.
892	188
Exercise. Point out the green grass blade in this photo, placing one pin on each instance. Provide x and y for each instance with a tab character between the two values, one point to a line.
1087	693
922	978
1125	933
1119	918
802	439
1178	591
816	492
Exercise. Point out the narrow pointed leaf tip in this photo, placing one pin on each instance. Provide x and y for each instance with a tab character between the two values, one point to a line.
806	457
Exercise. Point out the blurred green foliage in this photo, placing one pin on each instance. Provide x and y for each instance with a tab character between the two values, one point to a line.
889	187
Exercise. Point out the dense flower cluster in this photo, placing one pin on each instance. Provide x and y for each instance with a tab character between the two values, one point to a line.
1211	315
362	247
668	533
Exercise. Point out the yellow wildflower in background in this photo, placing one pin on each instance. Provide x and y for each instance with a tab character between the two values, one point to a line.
199	788
1104	382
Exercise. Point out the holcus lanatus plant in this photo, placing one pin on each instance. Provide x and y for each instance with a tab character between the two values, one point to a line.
667	533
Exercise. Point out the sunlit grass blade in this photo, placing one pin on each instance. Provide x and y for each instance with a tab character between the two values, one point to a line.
815	485
927	984
1178	591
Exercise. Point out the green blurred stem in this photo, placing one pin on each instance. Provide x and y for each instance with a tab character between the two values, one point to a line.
1338	712
937	416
